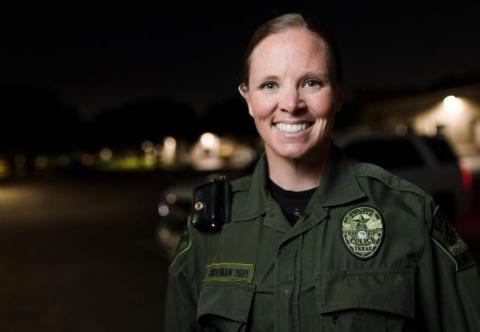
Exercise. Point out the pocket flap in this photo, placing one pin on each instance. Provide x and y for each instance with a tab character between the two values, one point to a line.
391	290
231	300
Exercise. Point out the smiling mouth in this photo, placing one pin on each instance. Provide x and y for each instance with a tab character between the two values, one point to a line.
292	127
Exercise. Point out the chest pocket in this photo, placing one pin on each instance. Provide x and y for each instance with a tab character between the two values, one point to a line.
224	306
366	301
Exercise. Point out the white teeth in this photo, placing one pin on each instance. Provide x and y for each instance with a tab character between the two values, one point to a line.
291	127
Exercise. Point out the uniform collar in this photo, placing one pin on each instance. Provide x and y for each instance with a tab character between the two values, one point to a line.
338	186
339	183
257	197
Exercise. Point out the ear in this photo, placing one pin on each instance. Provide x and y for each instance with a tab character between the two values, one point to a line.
243	89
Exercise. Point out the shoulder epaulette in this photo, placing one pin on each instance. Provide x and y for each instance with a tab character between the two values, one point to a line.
387	178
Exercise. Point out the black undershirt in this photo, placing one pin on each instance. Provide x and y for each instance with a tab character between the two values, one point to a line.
292	203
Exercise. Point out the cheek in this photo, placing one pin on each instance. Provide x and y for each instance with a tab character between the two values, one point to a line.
321	106
262	107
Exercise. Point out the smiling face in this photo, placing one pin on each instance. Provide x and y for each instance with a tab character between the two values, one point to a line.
290	95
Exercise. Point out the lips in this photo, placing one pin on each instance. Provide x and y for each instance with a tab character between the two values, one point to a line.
292	127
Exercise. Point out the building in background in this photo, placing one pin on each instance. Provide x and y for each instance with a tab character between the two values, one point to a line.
452	112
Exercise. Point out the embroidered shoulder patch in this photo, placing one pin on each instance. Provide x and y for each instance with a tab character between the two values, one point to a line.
362	231
445	236
237	272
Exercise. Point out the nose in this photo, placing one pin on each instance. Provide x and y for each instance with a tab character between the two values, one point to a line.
291	100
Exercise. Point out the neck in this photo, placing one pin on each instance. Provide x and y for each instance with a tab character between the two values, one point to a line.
298	174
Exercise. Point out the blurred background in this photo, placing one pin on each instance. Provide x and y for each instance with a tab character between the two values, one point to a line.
110	115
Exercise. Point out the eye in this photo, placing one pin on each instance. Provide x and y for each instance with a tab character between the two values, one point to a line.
312	83
268	85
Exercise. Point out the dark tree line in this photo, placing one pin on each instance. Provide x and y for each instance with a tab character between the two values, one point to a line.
156	118
35	120
136	121
229	117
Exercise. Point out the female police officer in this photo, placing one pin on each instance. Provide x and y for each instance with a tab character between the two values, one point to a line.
317	242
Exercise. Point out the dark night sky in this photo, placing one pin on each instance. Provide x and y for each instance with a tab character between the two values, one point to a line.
101	57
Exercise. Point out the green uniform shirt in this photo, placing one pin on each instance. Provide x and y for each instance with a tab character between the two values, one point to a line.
372	253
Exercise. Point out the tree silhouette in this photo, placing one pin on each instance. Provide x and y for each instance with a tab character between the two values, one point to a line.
229	117
136	121
35	120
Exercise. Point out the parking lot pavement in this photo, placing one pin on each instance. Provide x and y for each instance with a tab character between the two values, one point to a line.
79	256
82	278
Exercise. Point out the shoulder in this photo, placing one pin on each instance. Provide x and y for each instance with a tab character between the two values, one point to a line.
370	173
394	192
198	246
240	187
241	184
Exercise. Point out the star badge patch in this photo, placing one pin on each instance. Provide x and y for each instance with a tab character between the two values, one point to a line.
362	231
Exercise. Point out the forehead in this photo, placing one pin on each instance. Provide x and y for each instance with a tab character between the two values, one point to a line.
293	48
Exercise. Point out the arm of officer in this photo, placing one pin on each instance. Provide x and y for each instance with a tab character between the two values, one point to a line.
448	280
181	302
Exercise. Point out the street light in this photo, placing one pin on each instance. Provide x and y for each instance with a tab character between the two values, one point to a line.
210	141
169	150
452	104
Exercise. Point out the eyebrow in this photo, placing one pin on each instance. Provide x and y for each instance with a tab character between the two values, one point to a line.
269	78
323	76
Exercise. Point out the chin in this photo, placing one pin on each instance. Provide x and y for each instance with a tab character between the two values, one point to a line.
297	152
293	152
